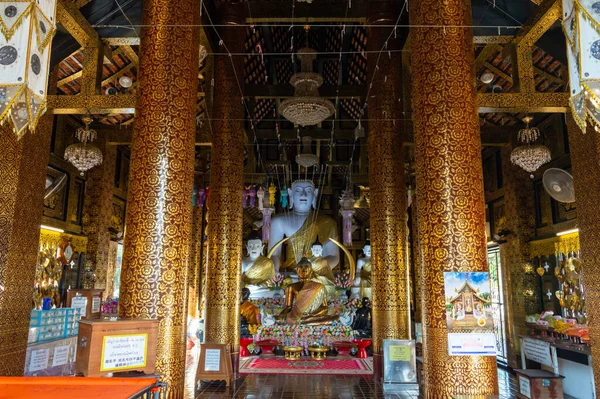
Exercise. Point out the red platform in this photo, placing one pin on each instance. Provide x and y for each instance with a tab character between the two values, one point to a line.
343	347
362	347
244	342
267	346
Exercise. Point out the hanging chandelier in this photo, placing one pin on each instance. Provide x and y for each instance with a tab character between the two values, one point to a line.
528	156
581	25
306	108
82	155
307	158
26	28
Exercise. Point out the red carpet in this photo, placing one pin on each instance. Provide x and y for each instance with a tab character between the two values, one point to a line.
276	365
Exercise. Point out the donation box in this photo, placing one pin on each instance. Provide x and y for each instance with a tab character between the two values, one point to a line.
105	347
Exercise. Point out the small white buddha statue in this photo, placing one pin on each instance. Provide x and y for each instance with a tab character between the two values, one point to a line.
363	272
257	270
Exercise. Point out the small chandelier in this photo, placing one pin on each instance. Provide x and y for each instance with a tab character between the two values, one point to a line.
307	158
306	108
26	31
82	155
529	156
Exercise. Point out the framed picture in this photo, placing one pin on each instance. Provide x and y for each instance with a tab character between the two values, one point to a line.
56	194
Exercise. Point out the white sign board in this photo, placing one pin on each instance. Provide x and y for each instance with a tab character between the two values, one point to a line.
212	360
96	304
79	302
471	344
123	352
524	386
60	356
39	360
538	351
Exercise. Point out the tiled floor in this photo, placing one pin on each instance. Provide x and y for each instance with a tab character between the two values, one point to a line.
257	386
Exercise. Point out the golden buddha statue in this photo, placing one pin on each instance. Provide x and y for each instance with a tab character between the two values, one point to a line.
306	300
302	227
321	268
249	315
363	272
257	270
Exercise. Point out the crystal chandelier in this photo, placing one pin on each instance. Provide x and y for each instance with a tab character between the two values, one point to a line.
307	158
581	25
26	31
529	156
82	155
306	108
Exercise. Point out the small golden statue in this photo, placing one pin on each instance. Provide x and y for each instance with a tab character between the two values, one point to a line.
257	270
363	270
306	300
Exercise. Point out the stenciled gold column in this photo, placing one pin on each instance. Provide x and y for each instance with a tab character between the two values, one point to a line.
97	212
159	208
417	262
520	222
195	270
449	183
223	279
23	168
585	159
390	297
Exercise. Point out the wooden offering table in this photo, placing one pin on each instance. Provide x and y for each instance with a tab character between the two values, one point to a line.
106	347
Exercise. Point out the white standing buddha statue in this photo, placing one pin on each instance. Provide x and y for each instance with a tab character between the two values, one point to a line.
363	272
302	227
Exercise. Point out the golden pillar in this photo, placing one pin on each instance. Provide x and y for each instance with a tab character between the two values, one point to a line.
417	262
585	159
23	167
159	213
390	305
449	182
520	221
97	213
223	279
195	271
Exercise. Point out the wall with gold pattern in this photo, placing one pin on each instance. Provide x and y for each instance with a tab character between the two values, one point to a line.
449	182
159	209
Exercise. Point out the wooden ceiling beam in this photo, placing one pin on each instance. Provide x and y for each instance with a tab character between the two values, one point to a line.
94	104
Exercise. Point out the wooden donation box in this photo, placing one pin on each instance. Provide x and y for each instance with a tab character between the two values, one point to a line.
539	384
89	301
215	363
105	347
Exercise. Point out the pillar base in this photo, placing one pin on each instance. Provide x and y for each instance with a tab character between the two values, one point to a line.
235	365
377	366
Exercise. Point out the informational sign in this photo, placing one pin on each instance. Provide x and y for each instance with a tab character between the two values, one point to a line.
471	344
96	304
79	302
468	301
39	359
60	356
124	352
212	360
538	351
399	362
524	386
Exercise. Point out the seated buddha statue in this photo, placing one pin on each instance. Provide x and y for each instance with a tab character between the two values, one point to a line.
249	314
321	268
302	227
305	300
257	270
363	272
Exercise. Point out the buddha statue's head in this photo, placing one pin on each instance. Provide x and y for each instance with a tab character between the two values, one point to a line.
317	248
254	245
304	269
303	195
367	249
